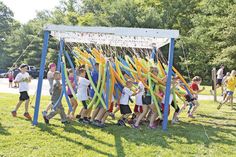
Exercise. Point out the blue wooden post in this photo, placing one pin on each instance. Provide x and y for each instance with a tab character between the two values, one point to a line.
41	73
60	54
168	84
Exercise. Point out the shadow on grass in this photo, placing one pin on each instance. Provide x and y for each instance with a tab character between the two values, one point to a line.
215	117
70	128
183	133
3	131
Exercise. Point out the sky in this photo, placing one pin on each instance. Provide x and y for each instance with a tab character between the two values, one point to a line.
25	10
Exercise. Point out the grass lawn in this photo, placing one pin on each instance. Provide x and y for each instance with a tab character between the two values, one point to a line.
208	88
212	133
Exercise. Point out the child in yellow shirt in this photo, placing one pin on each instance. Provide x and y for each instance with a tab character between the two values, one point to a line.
230	86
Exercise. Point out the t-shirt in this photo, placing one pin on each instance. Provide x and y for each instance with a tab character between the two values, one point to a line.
220	74
231	83
23	78
73	86
50	80
83	84
170	99
138	97
194	86
56	91
126	93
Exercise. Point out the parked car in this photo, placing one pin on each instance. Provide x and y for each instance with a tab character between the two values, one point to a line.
34	72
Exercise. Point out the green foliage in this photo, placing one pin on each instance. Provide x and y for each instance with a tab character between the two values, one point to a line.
207	29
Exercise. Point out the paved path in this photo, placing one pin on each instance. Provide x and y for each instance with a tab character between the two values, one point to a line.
45	90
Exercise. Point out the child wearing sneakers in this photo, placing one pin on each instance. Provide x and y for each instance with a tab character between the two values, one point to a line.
138	109
82	94
56	93
230	85
23	78
196	81
73	101
124	103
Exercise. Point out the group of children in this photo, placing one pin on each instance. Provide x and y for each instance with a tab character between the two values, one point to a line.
145	108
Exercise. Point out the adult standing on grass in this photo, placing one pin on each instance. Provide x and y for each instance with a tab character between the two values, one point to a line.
23	78
220	75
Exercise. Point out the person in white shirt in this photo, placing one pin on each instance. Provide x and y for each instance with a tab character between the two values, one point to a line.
220	75
82	94
138	108
124	103
23	78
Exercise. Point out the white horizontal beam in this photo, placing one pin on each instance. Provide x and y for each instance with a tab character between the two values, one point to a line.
118	31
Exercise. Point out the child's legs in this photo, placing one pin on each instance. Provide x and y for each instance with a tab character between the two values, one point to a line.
62	113
95	113
145	109
74	104
53	113
182	108
153	114
195	107
84	111
49	107
104	117
18	105
101	113
27	105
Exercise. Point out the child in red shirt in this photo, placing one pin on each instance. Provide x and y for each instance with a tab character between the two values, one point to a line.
196	81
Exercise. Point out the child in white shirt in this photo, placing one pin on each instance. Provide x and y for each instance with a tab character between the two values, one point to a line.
82	94
124	103
23	78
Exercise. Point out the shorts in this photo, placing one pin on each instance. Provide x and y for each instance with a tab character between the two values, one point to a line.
188	98
70	96
84	102
125	109
111	107
230	93
147	100
24	96
10	80
138	109
219	82
163	107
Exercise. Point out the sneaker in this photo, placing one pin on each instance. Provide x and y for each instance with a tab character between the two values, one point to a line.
46	120
121	123
101	125
152	127
13	113
80	120
134	126
65	122
78	116
86	121
191	116
112	115
27	115
44	113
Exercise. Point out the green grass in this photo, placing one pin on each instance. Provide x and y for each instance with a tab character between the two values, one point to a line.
212	133
207	91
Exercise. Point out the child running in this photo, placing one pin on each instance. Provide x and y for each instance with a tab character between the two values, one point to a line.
73	101
124	103
10	78
50	77
82	94
56	103
196	81
23	78
230	84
